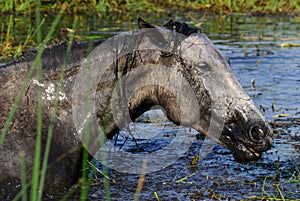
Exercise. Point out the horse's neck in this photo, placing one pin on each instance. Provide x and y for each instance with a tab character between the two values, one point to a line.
143	85
166	81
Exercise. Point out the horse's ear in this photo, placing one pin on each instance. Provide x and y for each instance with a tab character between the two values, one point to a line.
152	33
144	25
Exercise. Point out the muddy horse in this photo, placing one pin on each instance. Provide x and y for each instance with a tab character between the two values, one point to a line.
189	53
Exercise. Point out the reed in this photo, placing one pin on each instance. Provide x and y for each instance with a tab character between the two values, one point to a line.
38	175
217	6
8	50
51	127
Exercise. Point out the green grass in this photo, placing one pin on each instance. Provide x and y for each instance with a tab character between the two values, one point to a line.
23	176
12	47
51	127
274	181
102	6
9	48
38	174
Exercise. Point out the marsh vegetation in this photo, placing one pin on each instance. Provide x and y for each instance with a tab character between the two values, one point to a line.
258	44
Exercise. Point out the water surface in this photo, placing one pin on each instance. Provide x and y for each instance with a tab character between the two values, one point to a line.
253	47
270	75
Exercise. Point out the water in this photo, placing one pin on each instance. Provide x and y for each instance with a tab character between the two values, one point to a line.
253	47
251	43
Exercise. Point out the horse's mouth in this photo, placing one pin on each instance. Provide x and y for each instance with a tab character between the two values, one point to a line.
242	147
244	153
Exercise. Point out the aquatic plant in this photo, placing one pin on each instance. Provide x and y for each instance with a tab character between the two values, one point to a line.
12	48
8	49
36	183
217	6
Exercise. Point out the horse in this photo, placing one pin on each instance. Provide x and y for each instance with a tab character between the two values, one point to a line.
174	66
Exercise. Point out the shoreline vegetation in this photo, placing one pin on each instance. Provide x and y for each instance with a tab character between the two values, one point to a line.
12	47
104	6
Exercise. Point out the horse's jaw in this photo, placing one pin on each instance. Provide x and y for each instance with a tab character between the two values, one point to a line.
246	134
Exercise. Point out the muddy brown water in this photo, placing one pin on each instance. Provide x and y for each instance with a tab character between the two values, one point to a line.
270	74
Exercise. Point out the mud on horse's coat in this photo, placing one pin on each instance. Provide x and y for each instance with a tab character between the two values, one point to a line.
245	132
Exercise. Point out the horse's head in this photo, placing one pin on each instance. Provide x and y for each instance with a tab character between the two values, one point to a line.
215	104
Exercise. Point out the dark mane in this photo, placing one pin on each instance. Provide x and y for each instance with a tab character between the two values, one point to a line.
180	27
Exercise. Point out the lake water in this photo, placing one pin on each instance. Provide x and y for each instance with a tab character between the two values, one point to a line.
254	46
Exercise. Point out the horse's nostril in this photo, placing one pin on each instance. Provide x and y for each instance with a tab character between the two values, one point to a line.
256	133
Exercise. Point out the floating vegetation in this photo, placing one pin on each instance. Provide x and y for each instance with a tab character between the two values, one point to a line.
289	45
281	115
184	179
156	196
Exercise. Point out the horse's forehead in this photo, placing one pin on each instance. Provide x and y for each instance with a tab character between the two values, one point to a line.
197	50
199	53
197	45
197	39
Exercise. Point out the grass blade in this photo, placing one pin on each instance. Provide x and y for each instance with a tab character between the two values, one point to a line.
35	175
52	118
23	177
